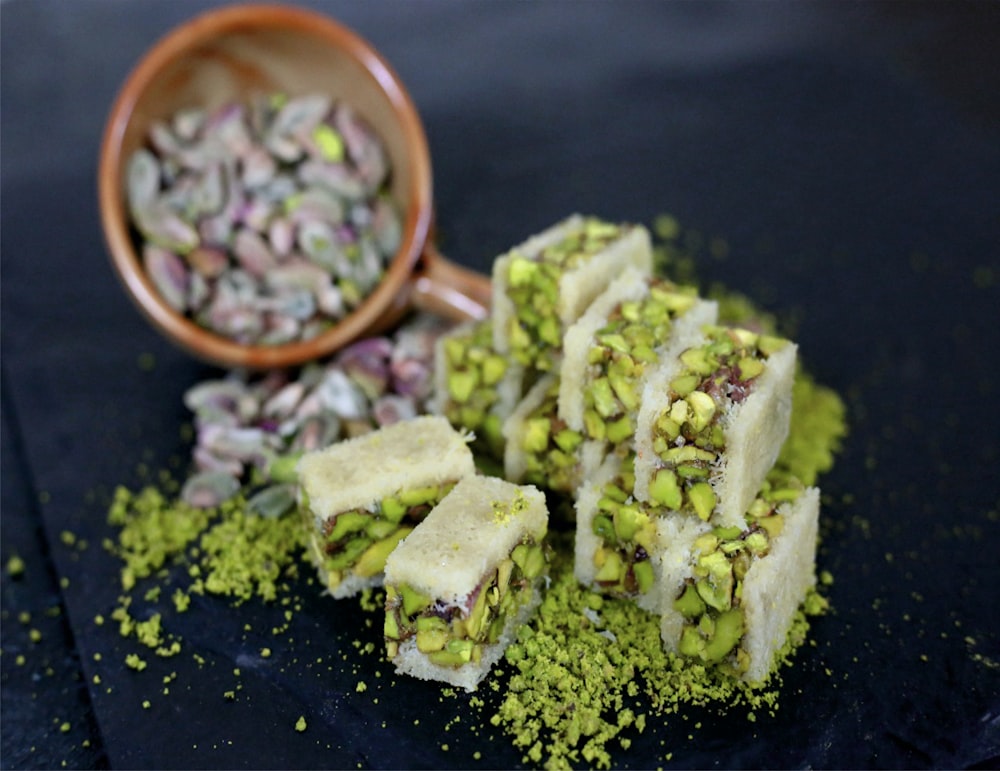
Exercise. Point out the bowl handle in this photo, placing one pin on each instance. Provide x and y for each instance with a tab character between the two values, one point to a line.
448	289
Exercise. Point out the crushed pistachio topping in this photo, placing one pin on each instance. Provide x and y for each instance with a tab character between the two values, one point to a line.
550	446
505	511
590	673
621	352
688	436
627	529
474	369
536	331
359	541
710	599
454	634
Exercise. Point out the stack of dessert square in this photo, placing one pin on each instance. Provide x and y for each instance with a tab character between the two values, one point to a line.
595	379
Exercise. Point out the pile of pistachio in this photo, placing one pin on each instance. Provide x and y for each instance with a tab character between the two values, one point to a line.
264	222
250	429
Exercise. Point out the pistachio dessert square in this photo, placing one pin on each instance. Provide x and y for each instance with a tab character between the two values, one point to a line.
360	497
545	284
734	590
711	423
608	353
475	387
459	586
540	448
620	541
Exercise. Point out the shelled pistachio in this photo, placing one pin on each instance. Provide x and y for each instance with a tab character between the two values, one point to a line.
251	429
264	222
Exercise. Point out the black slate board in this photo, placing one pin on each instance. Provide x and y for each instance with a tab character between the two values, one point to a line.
849	157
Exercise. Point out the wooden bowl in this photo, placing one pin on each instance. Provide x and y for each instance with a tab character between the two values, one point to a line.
229	55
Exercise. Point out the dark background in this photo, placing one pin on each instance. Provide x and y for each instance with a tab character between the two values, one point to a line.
846	155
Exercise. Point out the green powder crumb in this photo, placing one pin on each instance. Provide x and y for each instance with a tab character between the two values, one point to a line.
15	566
300	724
361	687
133	661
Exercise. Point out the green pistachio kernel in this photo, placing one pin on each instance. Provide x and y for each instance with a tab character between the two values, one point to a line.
627	521
691	644
522	272
611	568
413	601
432	633
493	369
698	361
602	396
644	576
620	430
757	542
703	499
461	384
393	509
593	424
702	409
682	385
348	554
536	434
773	524
665	490
567	440
372	561
390	627
770	345
604	529
689	604
479	617
749	367
347	522
418	496
530	558
728	631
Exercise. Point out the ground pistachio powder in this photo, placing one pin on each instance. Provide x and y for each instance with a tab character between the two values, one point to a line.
590	671
586	675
